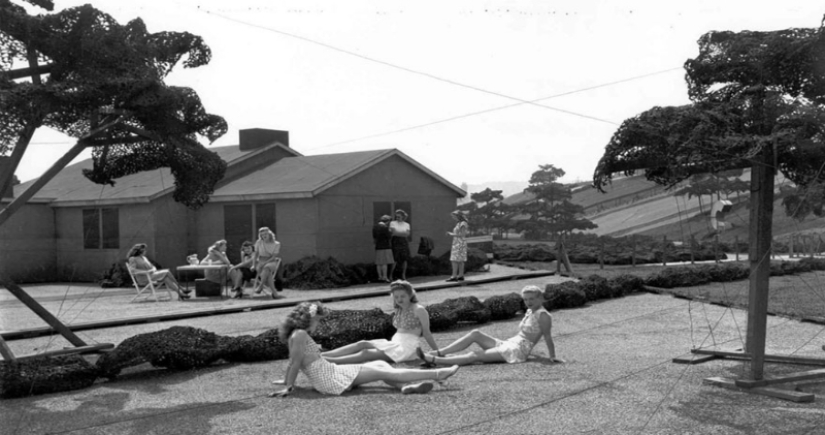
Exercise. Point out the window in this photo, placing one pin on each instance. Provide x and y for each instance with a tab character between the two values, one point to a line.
381	208
241	223
101	228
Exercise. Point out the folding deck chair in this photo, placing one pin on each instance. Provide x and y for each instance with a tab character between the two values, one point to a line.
150	288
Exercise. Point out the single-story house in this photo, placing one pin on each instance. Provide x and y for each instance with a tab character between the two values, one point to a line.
322	205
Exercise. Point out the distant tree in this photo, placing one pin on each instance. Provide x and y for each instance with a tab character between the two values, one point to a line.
802	201
550	212
711	184
102	82
487	195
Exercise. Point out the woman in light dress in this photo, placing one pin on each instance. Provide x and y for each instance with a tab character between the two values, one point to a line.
266	260
400	231
138	262
458	251
216	254
411	322
537	324
329	378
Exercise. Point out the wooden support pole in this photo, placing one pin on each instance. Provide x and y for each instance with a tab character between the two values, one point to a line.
601	256
5	352
736	246
42	313
716	248
692	247
633	252
70	351
800	360
791	377
664	250
779	393
761	220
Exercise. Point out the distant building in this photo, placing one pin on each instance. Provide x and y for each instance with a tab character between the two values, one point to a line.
323	205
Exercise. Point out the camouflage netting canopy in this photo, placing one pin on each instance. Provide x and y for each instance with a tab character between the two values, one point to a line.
751	91
103	74
45	375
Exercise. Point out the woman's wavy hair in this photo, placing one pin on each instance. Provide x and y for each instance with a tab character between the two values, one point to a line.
459	215
407	287
300	318
136	249
532	289
216	244
262	229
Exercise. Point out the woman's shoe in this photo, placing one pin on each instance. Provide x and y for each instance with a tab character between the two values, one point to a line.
447	373
452	279
460	278
183	296
423	357
419	388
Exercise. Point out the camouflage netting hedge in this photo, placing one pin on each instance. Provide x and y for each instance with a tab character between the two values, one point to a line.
684	276
317	273
187	348
45	375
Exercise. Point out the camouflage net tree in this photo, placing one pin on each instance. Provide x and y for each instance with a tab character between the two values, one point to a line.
110	77
751	91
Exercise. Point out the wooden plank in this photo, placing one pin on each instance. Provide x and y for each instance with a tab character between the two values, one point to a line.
768	358
693	359
792	377
791	395
68	351
43	313
5	352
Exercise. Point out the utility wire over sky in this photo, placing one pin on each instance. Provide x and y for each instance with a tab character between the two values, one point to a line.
378	75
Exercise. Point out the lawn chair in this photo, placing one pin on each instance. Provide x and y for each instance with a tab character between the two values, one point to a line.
151	286
257	281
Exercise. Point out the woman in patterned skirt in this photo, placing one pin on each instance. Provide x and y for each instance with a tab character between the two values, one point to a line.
329	378
536	324
458	251
411	322
400	231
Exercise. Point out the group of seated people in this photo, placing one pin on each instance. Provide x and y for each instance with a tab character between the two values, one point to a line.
339	370
259	260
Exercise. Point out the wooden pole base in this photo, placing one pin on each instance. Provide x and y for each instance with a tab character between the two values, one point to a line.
779	393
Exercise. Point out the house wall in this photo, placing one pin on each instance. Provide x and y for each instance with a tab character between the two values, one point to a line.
296	220
168	244
27	245
346	210
137	224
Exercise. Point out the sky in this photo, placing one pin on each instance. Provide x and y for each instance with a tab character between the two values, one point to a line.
454	85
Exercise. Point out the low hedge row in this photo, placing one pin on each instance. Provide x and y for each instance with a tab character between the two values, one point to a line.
687	276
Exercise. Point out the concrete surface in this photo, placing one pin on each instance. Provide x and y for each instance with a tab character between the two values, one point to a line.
618	379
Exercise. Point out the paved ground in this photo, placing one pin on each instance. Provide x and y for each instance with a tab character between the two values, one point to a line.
618	379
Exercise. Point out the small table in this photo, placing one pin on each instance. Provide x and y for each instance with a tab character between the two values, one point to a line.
204	267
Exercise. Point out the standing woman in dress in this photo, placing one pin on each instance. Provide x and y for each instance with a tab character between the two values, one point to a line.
383	249
329	378
400	230
266	260
410	320
458	252
138	261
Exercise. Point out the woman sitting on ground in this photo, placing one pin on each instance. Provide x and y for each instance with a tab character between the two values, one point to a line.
329	378
536	324
410	320
138	262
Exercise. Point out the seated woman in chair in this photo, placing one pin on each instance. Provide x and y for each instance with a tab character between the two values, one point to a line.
138	262
242	271
216	254
266	260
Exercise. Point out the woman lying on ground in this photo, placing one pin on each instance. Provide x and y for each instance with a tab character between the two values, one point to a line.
329	378
138	262
536	324
410	320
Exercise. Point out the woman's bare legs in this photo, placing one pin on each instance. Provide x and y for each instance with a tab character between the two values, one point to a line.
484	356
380	371
460	269
474	337
355	353
455	270
237	278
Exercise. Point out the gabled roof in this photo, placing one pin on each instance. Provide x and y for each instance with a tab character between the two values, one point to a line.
290	177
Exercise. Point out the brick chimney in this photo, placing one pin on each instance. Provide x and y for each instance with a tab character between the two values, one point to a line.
254	138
